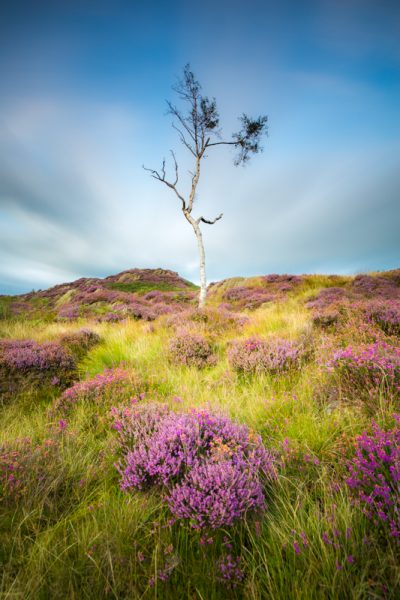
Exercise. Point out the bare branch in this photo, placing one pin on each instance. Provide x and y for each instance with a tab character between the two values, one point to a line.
208	145
203	220
175	112
176	168
161	178
183	139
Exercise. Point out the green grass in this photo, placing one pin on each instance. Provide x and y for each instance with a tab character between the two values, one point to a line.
74	534
143	287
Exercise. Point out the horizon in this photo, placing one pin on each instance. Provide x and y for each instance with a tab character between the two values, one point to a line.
83	107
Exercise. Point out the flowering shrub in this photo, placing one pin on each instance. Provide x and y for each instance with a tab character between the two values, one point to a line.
80	342
254	293
230	570
26	362
257	355
69	312
385	286
327	297
374	476
191	349
325	318
216	494
24	464
386	314
213	321
110	385
248	297
368	369
211	468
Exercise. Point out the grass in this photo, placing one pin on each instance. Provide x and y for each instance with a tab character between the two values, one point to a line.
74	534
143	287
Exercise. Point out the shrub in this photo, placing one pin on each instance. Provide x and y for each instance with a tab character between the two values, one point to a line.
325	318
27	467
257	355
248	297
211	321
328	297
368	370
111	385
80	342
374	476
191	349
26	362
211	469
386	314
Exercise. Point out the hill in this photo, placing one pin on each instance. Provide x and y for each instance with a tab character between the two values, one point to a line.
137	293
149	293
249	450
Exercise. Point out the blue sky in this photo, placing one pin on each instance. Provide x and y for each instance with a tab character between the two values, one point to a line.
84	85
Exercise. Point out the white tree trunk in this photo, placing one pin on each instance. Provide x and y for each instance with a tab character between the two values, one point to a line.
202	260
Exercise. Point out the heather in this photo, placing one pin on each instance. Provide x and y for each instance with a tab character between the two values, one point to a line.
80	342
111	385
191	349
210	467
386	314
369	372
276	480
27	362
257	355
374	476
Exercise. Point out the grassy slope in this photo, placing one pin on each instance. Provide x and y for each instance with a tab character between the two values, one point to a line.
78	536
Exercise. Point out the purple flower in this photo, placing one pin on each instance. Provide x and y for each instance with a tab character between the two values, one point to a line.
374	476
257	355
191	349
212	469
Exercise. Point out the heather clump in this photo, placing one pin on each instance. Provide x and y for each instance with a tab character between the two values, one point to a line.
80	342
367	372
262	355
374	476
28	466
386	314
211	470
325	318
383	286
25	363
252	294
112	385
191	349
327	298
246	297
210	321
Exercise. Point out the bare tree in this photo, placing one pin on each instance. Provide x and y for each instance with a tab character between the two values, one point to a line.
198	130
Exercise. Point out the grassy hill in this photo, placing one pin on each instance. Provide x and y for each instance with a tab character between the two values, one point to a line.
297	367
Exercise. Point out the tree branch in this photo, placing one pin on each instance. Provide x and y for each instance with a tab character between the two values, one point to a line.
184	140
203	220
175	112
156	175
223	143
